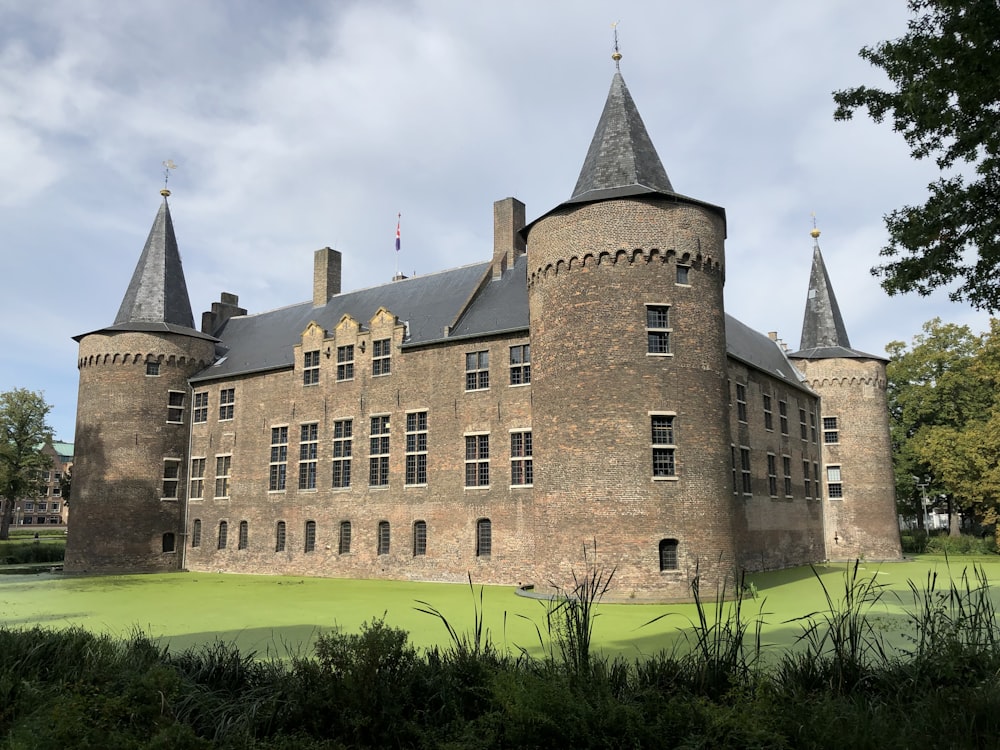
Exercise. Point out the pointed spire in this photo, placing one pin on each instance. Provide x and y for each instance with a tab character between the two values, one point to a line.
622	160
823	331
157	292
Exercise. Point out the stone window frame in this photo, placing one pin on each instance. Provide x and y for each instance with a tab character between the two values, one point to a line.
223	474
227	404
477	460
280	536
772	475
277	471
659	331
522	463
803	426
383	538
308	455
477	370
152	369
196	533
309	544
345	363
171	487
783	415
175	407
244	535
741	403
344	538
419	538
786	469
223	538
831	430
520	364
663	445
768	412
416	448
379	433
196	481
381	357
484	538
343	449
310	367
834	482
669	557
812	425
683	275
200	412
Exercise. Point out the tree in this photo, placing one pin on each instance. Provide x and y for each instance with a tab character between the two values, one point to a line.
946	104
23	433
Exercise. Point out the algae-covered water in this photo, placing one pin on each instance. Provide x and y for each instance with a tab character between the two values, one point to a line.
280	616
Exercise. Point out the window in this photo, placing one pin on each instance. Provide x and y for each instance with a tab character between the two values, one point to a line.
169	542
29	506
416	447
200	407
197	477
668	554
310	536
280	537
171	477
732	462
477	460
772	475
196	533
663	445
803	426
278	467
419	538
745	470
484	538
308	449
175	407
658	329
310	368
227	402
378	452
54	507
783	416
522	472
42	506
812	425
768	414
520	364
741	402
223	534
244	535
683	274
344	545
786	467
223	465
816	477
343	429
834	485
383	537
477	371
28	520
152	369
831	431
345	362
805	478
381	354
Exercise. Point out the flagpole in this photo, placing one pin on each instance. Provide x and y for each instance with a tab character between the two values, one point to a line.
399	217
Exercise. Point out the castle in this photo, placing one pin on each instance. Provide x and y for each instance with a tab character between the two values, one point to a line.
583	385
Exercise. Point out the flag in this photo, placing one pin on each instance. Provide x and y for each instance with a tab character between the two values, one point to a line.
397	232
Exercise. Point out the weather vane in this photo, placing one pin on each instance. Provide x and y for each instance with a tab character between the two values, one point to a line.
617	56
167	166
815	231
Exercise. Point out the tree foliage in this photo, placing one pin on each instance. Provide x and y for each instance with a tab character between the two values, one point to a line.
23	432
946	104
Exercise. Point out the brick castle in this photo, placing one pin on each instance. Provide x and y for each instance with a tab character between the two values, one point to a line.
583	385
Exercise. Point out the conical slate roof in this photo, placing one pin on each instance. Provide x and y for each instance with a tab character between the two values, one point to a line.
621	160
158	292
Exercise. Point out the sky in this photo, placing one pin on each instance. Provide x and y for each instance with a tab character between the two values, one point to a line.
301	125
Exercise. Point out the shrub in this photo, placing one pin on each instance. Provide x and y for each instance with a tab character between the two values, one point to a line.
967	544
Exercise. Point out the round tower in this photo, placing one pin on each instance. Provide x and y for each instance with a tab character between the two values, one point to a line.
630	414
133	413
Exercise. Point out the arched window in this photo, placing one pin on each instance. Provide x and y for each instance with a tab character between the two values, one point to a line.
419	538
223	534
383	537
668	554
310	536
168	542
279	537
344	545
244	534
484	537
196	533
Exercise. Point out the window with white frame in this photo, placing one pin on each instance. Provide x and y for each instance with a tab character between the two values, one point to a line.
278	466
171	477
381	356
663	445
200	407
834	482
345	362
197	485
658	329
520	364
378	451
175	407
522	470
477	460
831	430
343	431
223	465
227	403
308	451
477	371
310	367
416	448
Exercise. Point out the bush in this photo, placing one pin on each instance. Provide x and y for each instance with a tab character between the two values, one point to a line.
967	544
21	553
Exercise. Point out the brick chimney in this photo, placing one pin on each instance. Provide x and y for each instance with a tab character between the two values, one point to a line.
508	245
326	275
228	307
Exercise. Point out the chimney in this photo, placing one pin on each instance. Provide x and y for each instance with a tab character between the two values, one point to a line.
228	307
508	245
326	275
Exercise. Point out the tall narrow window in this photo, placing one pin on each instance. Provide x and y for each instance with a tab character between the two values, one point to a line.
378	451
278	469
416	448
197	478
520	364
343	431
308	449
345	362
831	430
196	533
484	538
310	368
768	414
310	545
786	467
227	403
477	371
200	407
772	475
381	357
344	543
668	554
783	416
223	465
834	482
383	537
223	534
477	460
175	407
741	402
806	479
171	477
658	329
745	470
663	446
732	462
280	539
244	539
522	473
812	425
803	426
419	538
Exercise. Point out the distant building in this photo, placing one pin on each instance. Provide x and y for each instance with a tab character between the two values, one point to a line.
584	384
49	507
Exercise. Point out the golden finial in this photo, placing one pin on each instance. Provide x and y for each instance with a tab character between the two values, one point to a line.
167	166
815	232
616	56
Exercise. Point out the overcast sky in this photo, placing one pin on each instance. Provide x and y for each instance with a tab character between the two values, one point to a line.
299	125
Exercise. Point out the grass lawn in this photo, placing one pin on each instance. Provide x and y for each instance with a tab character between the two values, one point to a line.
282	615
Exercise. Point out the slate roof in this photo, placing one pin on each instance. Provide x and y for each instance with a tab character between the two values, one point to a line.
467	299
757	350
